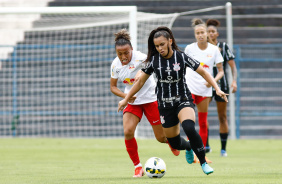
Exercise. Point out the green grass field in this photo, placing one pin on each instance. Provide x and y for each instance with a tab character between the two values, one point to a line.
96	161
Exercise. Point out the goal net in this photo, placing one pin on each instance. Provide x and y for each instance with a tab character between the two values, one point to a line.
55	76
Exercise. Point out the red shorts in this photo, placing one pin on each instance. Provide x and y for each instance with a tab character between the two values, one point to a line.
150	110
198	99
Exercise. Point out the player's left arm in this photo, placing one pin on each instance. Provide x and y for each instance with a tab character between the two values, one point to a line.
234	75
220	72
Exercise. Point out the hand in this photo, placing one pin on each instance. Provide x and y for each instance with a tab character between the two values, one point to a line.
207	85
234	86
222	95
121	105
132	99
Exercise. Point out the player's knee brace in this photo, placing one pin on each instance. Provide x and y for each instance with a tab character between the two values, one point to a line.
189	127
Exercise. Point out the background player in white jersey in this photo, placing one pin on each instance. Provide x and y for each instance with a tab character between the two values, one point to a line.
209	55
228	57
124	68
175	102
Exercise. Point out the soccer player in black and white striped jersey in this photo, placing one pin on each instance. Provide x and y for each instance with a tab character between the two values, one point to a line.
175	102
228	57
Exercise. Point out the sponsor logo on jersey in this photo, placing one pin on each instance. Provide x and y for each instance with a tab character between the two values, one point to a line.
209	56
168	69
113	70
169	80
176	66
204	65
128	81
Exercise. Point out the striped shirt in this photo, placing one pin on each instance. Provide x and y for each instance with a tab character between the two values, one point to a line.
170	73
227	56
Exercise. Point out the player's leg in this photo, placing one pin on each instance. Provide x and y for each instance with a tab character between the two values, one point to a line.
130	122
203	118
208	147
187	118
151	111
171	129
223	126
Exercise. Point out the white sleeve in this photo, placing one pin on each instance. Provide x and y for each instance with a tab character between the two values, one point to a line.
218	56
113	71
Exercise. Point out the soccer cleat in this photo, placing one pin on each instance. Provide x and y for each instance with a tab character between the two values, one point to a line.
139	172
208	149
189	156
174	151
223	153
207	169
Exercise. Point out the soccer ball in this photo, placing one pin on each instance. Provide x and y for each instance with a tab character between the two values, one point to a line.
155	167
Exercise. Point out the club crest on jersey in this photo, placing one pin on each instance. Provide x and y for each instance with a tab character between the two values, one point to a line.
131	67
162	119
176	66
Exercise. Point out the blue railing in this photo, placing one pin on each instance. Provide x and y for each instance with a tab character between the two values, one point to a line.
238	49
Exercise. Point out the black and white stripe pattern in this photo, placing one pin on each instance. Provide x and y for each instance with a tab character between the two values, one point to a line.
171	85
227	55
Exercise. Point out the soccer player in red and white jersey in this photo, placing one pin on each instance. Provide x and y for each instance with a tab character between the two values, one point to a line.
228	57
209	55
124	68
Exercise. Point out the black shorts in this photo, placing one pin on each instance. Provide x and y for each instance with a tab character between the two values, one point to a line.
218	98
169	117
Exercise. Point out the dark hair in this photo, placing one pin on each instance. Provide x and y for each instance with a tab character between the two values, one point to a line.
122	38
213	22
160	31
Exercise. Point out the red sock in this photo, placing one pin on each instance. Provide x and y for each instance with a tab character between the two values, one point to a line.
203	123
132	149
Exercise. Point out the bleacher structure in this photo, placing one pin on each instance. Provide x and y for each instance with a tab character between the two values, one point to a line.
60	90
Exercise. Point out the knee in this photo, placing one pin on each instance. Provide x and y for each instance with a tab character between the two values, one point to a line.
161	139
128	133
222	119
189	126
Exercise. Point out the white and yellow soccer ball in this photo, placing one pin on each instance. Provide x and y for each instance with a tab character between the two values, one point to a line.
155	167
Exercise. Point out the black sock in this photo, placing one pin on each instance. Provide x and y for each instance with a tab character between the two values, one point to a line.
179	143
223	139
195	139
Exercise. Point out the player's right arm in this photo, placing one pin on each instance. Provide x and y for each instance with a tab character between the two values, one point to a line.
135	88
115	90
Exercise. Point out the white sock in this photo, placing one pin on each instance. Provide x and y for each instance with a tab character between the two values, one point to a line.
138	165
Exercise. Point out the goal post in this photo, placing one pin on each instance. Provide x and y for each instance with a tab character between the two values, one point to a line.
55	73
